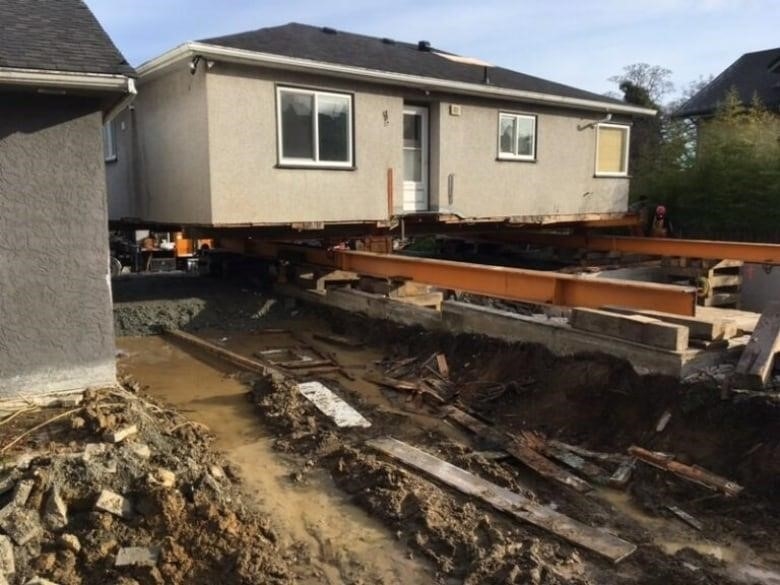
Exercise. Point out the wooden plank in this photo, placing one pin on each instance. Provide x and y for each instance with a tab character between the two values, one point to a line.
755	366
337	340
691	473
636	328
331	405
303	364
233	358
745	320
526	455
595	539
699	327
441	363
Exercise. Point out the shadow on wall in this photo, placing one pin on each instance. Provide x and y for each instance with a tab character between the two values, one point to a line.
27	108
760	284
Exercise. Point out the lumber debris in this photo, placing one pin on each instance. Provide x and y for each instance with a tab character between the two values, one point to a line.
699	327
337	340
441	363
304	364
572	460
595	539
691	473
685	517
663	421
754	368
231	357
634	328
425	390
331	405
518	449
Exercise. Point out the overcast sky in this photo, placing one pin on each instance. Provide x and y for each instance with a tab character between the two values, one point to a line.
578	42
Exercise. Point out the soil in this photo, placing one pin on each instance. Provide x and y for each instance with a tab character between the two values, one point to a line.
588	400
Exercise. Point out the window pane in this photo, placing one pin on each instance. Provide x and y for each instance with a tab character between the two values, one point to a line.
333	119
412	164
507	134
297	125
412	131
525	136
612	147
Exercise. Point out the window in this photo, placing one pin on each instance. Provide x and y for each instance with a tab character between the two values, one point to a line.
612	150
516	137
315	128
109	141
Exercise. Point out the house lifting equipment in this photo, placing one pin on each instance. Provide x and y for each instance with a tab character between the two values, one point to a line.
705	249
512	284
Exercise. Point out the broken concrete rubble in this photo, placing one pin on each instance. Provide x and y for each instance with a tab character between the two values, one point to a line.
70	542
56	512
120	435
21	525
140	556
114	503
6	556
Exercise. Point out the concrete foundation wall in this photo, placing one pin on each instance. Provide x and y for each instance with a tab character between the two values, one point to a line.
56	325
248	186
560	182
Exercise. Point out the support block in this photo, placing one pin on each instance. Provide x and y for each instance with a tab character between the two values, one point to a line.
636	328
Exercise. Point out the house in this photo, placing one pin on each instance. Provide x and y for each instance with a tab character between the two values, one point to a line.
752	75
304	127
60	78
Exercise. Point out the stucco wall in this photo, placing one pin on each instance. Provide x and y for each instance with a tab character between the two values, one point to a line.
171	126
560	181
247	186
56	326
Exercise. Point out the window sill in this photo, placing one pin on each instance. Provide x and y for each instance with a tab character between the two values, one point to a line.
294	166
515	159
611	176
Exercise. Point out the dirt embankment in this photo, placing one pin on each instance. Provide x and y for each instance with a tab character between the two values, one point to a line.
174	498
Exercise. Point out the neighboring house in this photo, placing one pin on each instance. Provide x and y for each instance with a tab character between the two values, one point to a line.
60	76
752	75
307	127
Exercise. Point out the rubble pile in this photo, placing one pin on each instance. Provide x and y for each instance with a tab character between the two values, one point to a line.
117	489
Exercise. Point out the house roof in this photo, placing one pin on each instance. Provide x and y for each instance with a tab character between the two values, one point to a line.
327	45
56	35
752	74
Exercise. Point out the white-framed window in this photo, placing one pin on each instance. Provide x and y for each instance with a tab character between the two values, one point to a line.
612	150
314	128
516	136
109	141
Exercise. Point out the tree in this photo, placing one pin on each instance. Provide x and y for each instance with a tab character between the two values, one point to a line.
654	79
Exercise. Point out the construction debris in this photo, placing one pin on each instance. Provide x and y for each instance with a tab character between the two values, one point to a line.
332	406
120	435
691	473
758	358
338	340
685	517
139	556
663	421
595	539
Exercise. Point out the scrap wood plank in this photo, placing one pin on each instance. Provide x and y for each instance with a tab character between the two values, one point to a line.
685	517
304	364
695	474
331	405
441	363
518	450
595	539
233	358
572	460
758	357
337	340
699	327
587	453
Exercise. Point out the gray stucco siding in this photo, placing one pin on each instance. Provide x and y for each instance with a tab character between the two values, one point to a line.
56	326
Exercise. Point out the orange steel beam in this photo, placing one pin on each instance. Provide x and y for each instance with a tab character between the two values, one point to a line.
709	249
513	284
522	285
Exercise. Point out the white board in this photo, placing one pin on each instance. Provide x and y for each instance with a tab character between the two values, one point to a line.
332	406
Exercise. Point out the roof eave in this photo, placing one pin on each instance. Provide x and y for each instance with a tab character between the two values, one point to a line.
161	64
45	79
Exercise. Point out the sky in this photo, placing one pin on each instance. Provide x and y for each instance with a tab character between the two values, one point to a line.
580	43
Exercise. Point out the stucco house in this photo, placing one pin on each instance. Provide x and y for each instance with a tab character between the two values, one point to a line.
60	78
307	127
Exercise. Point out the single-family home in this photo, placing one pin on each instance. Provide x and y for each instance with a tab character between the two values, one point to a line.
60	78
305	127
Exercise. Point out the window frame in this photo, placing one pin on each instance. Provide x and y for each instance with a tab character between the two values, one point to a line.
518	157
315	163
626	149
110	150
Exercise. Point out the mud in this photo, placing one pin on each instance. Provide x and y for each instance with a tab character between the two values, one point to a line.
590	400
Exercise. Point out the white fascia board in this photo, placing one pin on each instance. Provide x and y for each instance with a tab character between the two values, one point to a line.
50	79
188	50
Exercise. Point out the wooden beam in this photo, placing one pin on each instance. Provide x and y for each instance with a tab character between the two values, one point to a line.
758	358
711	329
595	539
233	358
636	328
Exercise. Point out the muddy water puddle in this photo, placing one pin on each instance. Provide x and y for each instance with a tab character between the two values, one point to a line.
341	543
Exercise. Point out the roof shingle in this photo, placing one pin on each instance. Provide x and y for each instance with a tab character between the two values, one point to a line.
341	48
61	35
751	74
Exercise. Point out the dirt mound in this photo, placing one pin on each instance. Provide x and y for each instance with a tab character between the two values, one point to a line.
160	497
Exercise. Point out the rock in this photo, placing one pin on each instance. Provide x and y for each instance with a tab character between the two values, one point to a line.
7	483
70	542
163	477
139	556
77	422
114	503
39	581
142	450
56	512
216	472
120	435
21	525
3	580
7	566
22	492
93	450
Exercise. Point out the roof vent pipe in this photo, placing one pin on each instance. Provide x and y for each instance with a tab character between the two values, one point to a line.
486	79
329	31
423	46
